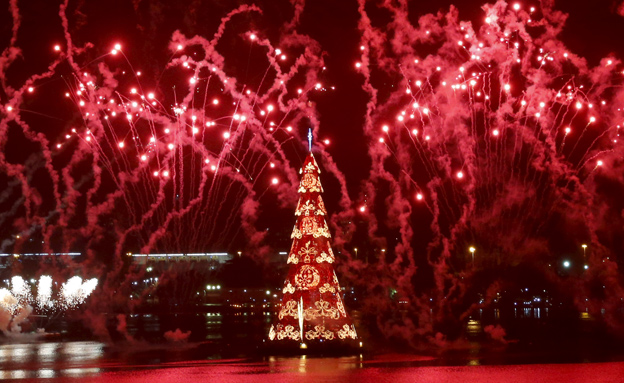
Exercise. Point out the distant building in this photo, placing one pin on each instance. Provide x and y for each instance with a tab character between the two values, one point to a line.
7	258
143	259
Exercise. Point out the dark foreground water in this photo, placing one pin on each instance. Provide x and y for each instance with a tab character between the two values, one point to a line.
95	362
350	370
228	348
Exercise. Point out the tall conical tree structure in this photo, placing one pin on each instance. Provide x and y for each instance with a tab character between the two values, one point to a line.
312	307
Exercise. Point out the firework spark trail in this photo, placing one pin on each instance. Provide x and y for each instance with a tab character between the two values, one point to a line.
15	304
475	131
8	301
44	293
20	290
96	134
74	292
486	114
163	163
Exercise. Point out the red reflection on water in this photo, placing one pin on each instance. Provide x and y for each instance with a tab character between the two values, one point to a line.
86	362
342	370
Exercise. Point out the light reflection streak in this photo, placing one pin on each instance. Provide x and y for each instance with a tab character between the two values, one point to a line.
76	372
18	374
39	360
45	373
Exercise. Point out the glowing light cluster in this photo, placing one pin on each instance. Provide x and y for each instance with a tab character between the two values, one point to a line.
191	135
73	293
44	292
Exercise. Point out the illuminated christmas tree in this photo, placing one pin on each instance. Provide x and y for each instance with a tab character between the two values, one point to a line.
312	307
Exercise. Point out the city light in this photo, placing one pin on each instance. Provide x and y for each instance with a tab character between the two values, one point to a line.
472	251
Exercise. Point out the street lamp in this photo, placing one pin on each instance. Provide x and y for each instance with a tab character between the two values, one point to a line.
355	249
472	251
584	246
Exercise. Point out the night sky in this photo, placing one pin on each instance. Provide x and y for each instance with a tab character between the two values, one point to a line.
435	143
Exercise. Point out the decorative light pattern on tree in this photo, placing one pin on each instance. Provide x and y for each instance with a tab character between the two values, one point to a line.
307	278
312	307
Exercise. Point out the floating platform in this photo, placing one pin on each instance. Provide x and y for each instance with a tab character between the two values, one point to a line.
316	347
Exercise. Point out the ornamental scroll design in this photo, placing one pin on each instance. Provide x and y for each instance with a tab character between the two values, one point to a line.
311	226
325	258
307	278
322	310
340	306
327	288
322	232
319	332
310	183
306	252
296	233
288	289
288	332
289	309
310	167
272	333
292	259
321	207
306	209
347	332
